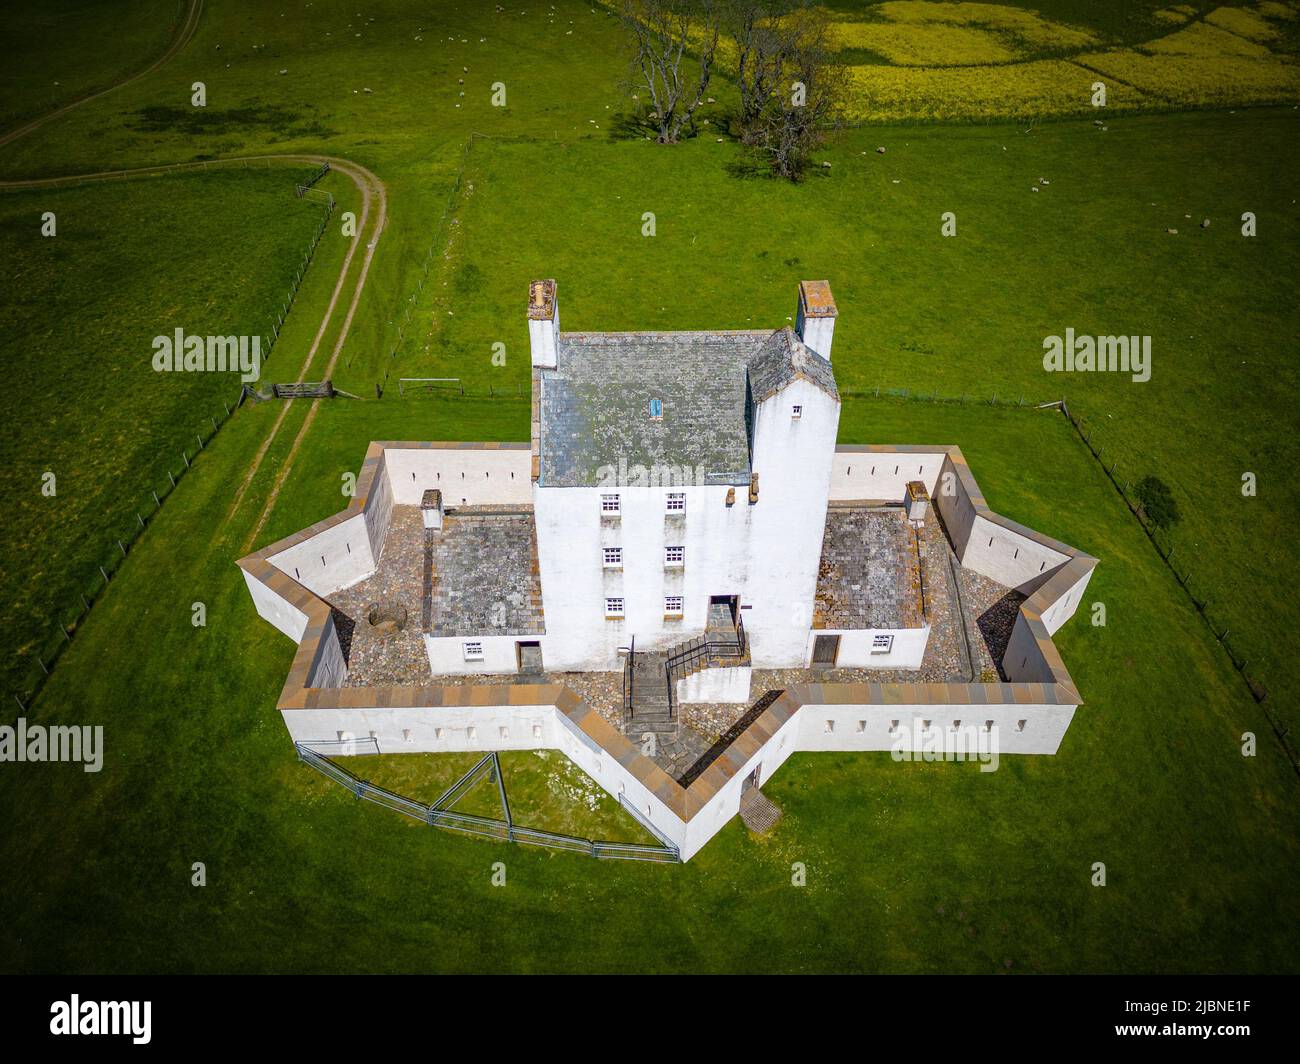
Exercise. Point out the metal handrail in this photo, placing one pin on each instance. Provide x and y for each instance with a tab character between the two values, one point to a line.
629	677
709	649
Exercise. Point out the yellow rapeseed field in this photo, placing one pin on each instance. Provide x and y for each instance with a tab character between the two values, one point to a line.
1245	23
926	44
1201	80
1277	10
1030	29
979	61
1177	15
1206	41
1021	90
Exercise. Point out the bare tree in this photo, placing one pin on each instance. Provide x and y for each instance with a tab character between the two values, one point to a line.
761	53
793	117
662	32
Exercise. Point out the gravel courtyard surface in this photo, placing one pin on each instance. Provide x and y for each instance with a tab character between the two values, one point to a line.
970	617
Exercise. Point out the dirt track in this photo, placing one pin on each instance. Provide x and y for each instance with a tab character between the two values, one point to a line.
370	225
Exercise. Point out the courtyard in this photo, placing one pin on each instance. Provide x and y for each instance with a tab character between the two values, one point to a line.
478	575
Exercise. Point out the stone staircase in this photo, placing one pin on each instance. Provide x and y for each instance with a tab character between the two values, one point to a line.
650	707
652	700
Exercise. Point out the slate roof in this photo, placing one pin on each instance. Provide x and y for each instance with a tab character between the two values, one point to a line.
869	576
595	405
482	574
781	358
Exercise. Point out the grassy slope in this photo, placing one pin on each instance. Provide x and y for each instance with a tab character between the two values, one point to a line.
957	315
54	50
911	867
84	307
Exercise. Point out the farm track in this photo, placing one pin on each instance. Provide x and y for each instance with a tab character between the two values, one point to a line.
373	216
188	25
372	192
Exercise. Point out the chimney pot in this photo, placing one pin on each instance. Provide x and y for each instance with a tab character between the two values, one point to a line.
815	323
544	323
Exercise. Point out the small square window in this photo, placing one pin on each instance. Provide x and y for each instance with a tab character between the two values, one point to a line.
673	605
613	607
656	409
893	727
830	726
437	733
882	644
473	651
674	555
609	504
505	732
988	725
862	726
796	412
1020	725
537	731
471	732
612	557
406	735
925	725
676	502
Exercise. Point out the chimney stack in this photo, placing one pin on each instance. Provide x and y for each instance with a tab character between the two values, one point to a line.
543	323
815	323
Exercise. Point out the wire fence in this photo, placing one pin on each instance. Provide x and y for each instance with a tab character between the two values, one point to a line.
1179	564
1124	483
101	572
439	814
966	398
412	301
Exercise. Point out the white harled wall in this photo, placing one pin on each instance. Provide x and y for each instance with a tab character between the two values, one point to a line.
792	458
571	535
766	553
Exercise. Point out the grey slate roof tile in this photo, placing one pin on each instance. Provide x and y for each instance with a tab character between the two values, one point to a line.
596	426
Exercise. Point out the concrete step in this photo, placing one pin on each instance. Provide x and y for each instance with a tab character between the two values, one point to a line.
637	725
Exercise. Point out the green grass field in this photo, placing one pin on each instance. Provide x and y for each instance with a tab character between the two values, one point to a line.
914	868
54	51
546	791
959	315
221	248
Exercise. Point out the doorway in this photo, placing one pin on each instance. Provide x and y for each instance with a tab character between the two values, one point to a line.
826	648
529	653
722	612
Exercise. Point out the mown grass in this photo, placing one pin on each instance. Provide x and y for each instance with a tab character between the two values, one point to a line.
911	867
210	253
960	315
